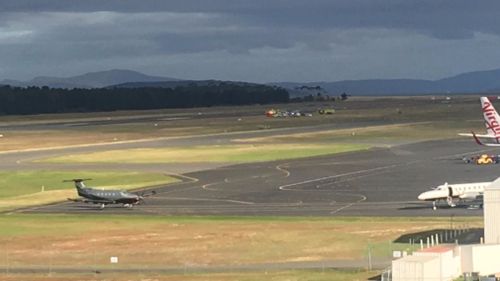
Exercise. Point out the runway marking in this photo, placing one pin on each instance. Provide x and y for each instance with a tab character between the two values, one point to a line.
172	185
206	186
285	187
350	179
210	199
464	154
227	180
75	124
363	198
175	118
281	169
192	179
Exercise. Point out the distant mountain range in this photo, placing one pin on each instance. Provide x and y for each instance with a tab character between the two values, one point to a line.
177	83
471	82
90	80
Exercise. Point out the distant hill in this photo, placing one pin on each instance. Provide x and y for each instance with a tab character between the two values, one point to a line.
471	82
178	83
89	80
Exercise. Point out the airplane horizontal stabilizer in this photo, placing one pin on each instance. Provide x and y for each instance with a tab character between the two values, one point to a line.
477	135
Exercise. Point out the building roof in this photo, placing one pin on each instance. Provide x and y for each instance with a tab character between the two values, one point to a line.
437	249
417	259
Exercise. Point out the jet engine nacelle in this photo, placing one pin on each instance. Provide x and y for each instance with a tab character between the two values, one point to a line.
470	195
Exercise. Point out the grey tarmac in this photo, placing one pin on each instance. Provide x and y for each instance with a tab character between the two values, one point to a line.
376	182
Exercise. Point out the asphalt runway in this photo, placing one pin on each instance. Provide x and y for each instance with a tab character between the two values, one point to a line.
376	182
175	115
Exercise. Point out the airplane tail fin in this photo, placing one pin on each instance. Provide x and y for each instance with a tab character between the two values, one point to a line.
491	117
78	182
476	139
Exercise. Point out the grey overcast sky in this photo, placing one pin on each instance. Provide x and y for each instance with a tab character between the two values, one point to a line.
250	40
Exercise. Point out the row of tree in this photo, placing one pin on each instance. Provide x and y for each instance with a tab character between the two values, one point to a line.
36	100
320	97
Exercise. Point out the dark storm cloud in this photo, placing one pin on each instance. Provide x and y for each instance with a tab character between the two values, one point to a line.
295	39
442	19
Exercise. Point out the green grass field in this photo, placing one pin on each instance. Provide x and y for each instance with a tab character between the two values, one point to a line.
376	135
281	275
243	153
192	242
29	188
278	147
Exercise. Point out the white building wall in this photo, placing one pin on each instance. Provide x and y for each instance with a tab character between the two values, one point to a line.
412	268
492	213
481	258
467	263
452	266
427	266
449	263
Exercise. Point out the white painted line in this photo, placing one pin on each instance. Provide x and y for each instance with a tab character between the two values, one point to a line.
206	186
209	199
281	169
286	186
363	198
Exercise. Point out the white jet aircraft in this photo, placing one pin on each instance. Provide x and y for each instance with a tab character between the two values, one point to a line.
448	192
492	122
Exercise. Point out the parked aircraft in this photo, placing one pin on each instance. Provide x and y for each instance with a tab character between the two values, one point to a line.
492	122
104	197
448	192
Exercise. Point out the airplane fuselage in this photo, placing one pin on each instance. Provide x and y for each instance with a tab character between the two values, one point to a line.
448	192
108	196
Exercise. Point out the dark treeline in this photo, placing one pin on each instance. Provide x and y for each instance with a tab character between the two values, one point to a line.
35	100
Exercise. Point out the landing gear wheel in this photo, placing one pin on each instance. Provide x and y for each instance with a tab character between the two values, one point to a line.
434	207
449	200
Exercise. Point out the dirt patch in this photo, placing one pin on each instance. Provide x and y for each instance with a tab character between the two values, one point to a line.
161	242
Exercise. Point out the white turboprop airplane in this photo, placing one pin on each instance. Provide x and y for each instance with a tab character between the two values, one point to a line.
448	192
492	122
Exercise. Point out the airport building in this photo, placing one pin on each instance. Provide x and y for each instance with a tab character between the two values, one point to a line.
447	262
491	207
435	263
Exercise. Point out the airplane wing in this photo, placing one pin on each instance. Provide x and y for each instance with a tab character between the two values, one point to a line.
91	201
478	141
478	136
147	193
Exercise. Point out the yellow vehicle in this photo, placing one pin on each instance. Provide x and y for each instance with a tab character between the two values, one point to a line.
326	111
483	159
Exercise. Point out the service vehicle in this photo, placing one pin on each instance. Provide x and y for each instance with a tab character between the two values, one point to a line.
326	111
483	159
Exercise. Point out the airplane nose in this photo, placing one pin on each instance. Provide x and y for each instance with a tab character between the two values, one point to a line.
422	196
